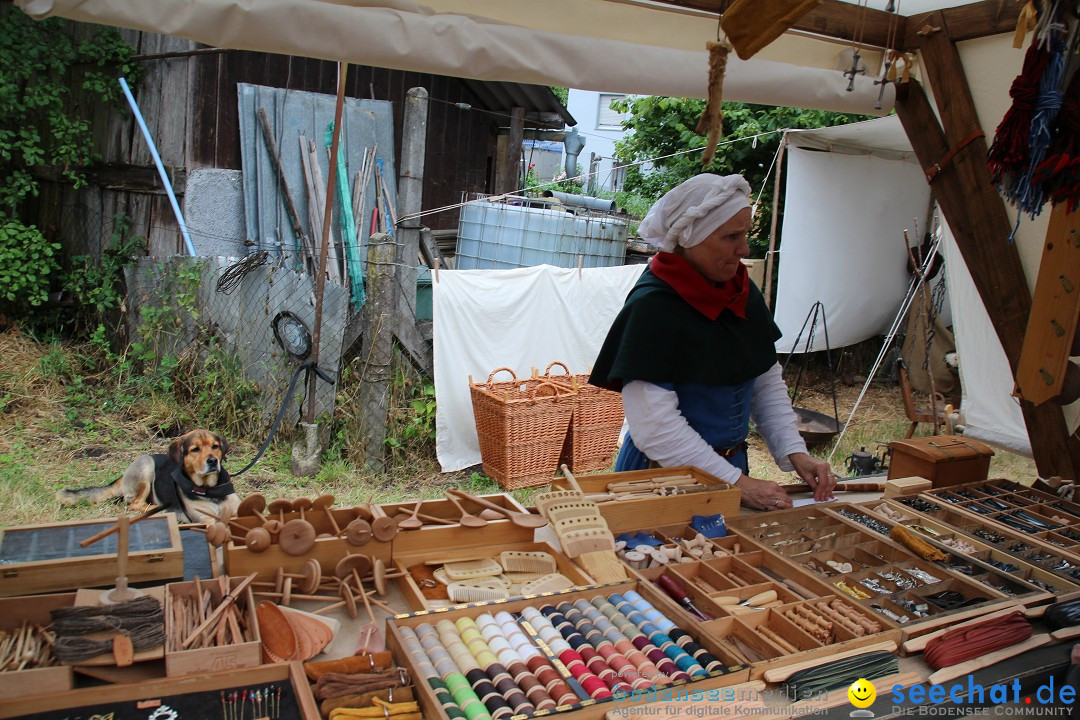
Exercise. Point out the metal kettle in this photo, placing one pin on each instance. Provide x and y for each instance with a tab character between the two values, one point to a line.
861	462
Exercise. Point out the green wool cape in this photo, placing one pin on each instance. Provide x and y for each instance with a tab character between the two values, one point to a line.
658	337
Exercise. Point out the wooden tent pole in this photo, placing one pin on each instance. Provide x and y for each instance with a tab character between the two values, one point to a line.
772	222
328	218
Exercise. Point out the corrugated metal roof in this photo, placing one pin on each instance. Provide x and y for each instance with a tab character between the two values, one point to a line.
505	96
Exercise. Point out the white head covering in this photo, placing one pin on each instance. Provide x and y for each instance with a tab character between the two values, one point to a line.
691	211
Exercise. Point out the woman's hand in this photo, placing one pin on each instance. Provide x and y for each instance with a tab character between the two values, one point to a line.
816	473
762	494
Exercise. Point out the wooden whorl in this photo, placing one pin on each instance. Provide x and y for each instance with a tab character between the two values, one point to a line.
345	567
312	577
384	529
358	532
257	539
251	505
297	537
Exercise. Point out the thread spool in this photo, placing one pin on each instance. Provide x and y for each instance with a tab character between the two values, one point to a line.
635	559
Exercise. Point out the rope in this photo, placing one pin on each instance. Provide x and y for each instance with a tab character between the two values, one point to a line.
962	644
142	619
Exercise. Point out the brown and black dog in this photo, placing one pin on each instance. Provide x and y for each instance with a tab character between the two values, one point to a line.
190	480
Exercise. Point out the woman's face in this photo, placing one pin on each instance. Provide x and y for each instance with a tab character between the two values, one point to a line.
717	257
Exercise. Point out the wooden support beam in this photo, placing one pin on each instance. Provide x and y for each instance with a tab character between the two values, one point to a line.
143	179
966	22
976	215
512	158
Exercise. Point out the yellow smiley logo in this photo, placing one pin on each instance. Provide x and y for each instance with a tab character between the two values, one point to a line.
862	693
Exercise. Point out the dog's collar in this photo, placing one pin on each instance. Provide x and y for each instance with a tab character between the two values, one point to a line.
170	492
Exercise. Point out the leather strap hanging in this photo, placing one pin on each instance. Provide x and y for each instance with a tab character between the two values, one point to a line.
933	170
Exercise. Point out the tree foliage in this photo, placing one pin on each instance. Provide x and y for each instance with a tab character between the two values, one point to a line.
663	135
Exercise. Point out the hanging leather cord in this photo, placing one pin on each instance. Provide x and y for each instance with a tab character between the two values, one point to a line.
933	170
956	646
1063	614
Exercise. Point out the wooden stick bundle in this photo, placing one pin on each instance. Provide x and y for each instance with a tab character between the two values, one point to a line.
28	647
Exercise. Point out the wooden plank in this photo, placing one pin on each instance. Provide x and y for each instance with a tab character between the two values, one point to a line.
967	22
1055	311
781	674
129	178
832	18
148	96
976	215
204	102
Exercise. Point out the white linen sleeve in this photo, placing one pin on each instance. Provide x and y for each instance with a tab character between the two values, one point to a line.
660	431
770	409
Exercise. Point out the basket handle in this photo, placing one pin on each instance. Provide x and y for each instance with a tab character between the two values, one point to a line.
498	370
547	371
557	390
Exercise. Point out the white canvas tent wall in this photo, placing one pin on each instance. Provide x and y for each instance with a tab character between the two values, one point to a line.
851	191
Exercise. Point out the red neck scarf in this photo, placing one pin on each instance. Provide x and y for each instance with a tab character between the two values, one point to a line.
708	299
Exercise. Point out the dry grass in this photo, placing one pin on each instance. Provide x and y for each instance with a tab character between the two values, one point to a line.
51	437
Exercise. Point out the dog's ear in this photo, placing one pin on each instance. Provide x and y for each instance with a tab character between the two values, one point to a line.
224	445
176	450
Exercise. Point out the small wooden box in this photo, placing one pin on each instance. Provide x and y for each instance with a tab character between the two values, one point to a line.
193	696
588	709
906	486
212	659
628	515
33	609
415	597
942	459
48	558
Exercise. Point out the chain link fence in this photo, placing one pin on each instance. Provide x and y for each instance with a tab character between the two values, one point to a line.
259	308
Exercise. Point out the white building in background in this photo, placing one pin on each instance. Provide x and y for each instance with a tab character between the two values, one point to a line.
600	126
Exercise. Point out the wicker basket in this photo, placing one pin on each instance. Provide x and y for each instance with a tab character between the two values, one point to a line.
595	426
521	425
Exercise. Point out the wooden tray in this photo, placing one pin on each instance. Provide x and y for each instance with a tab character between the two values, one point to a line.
33	609
48	558
588	710
415	597
628	515
170	691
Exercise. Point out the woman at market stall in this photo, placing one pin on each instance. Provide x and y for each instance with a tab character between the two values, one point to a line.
693	350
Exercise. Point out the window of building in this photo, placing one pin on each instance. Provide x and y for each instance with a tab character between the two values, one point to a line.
606	118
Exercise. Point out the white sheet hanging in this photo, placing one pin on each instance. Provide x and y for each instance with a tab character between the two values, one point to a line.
844	218
521	319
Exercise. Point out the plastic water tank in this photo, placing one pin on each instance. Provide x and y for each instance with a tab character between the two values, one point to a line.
500	236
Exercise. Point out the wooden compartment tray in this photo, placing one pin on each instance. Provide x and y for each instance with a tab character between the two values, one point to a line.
588	709
625	515
414	595
190	696
33	609
47	557
196	660
1032	548
984	552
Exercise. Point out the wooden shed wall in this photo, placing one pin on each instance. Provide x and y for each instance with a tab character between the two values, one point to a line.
190	104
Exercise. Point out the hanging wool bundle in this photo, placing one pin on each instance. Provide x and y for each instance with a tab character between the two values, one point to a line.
1059	174
1008	154
1026	195
711	123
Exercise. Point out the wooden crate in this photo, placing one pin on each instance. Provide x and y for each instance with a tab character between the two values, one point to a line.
212	659
415	597
179	693
434	536
628	515
328	549
587	710
48	558
33	609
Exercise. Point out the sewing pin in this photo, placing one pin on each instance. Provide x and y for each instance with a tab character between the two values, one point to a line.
224	712
277	712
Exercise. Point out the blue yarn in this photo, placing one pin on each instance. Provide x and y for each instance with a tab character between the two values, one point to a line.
1028	196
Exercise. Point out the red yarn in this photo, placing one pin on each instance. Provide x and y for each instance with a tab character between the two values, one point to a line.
1009	153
